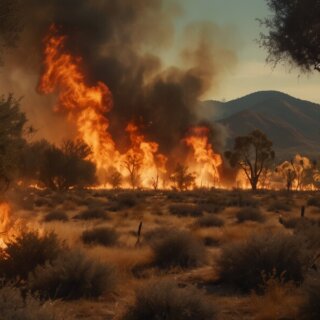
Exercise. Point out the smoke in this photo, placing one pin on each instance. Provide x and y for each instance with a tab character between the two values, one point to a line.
121	44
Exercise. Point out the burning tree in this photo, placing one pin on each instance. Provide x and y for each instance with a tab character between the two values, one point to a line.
133	164
288	173
181	178
114	178
253	154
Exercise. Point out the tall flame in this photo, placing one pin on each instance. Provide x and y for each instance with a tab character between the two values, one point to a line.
204	161
87	107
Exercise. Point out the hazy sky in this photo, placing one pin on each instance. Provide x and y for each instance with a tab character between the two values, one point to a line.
251	72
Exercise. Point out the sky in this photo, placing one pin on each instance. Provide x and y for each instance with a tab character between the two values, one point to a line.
251	72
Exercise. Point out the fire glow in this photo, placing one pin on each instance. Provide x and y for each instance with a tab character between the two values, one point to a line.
88	107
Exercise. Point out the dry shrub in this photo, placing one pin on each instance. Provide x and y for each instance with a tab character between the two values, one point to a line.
14	306
100	236
310	309
26	251
280	301
164	300
250	214
278	205
209	221
56	215
243	264
178	249
92	214
186	210
72	276
314	201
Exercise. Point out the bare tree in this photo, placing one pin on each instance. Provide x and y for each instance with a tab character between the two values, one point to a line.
133	164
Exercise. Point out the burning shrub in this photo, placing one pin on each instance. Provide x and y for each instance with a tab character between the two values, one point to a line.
164	300
310	310
91	214
56	215
178	249
250	214
15	306
72	276
27	251
182	210
59	168
100	236
209	221
244	264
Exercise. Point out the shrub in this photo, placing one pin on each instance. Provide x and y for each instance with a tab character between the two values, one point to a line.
91	214
278	205
291	223
164	300
183	210
72	276
209	221
314	201
310	310
56	215
178	249
250	214
244	264
27	251
15	306
102	236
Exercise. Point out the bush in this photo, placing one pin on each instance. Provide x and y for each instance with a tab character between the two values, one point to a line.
250	214
91	214
15	306
164	300
209	221
244	264
178	249
102	236
310	310
183	210
27	251
56	215
72	276
277	205
314	201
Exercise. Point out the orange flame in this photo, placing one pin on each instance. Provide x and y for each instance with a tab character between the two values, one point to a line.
204	161
4	222
87	107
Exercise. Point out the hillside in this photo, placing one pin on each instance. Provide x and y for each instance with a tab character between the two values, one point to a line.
292	124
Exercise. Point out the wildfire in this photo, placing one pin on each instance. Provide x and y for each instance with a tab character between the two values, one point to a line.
204	161
4	222
87	107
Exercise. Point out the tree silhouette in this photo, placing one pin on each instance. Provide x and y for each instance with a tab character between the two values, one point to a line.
133	163
293	33
181	178
252	153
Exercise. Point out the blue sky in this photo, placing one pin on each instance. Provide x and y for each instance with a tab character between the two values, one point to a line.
251	73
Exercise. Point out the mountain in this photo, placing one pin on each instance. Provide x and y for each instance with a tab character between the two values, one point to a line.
292	124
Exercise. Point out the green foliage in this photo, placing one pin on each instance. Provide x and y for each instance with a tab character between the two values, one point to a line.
26	251
244	264
293	33
164	300
252	153
72	276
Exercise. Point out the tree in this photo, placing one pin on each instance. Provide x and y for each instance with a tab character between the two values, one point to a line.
12	123
287	172
181	178
133	164
114	178
10	23
59	168
293	33
253	154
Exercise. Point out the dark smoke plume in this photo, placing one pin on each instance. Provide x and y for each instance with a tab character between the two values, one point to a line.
121	42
